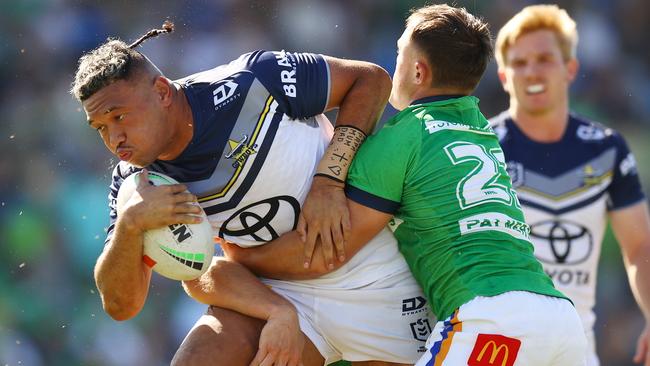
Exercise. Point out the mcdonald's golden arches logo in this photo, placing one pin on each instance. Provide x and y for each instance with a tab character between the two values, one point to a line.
494	350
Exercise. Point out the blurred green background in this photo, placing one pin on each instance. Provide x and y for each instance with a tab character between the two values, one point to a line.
54	171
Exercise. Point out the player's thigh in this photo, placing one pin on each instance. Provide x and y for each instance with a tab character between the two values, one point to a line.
361	325
221	337
310	354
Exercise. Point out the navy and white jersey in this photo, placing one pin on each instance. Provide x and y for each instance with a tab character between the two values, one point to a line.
566	189
259	133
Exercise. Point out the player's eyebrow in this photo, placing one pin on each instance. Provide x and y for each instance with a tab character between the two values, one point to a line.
107	111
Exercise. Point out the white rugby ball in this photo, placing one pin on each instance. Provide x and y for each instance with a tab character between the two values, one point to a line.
180	251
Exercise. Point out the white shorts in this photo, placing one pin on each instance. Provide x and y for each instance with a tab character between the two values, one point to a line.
512	329
388	320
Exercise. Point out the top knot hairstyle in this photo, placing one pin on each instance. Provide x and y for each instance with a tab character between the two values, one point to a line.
167	27
113	60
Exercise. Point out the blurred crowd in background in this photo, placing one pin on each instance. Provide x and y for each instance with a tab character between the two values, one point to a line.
54	170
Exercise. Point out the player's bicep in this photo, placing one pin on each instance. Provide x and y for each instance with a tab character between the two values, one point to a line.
342	75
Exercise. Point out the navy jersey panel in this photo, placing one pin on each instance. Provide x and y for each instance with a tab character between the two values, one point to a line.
587	154
120	172
626	188
298	81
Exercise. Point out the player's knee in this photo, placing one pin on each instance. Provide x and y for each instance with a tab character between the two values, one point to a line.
186	356
233	351
220	338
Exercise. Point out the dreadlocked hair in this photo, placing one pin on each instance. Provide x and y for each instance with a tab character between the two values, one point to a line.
112	61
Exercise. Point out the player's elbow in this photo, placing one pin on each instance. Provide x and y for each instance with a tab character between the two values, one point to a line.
381	80
118	303
120	309
193	289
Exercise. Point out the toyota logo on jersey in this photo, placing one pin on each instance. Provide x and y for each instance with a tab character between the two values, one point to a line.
561	242
264	220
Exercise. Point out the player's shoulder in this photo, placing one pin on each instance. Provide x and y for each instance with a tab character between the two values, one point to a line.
589	131
121	171
226	71
500	124
405	122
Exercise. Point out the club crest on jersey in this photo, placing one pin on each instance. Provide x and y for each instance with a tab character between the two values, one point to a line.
239	151
590	175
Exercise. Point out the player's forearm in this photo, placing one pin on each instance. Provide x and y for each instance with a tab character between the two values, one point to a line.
229	285
121	277
638	271
282	258
361	91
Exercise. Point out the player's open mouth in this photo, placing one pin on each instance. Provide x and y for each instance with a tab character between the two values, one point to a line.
535	89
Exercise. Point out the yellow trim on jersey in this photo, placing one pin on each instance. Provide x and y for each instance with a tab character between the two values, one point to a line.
258	127
592	182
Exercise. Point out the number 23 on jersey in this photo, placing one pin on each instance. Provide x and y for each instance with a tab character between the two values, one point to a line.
484	181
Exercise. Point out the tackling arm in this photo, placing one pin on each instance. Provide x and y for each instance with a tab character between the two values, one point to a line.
360	90
282	258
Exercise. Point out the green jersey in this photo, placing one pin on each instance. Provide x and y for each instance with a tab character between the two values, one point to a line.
438	167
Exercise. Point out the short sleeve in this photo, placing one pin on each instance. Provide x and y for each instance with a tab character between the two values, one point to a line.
299	82
625	189
380	168
120	172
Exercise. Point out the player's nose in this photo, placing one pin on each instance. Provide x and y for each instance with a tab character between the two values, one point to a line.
116	136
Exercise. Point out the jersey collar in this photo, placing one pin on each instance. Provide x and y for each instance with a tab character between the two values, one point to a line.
436	98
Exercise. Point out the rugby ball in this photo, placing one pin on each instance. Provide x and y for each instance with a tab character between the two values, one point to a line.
180	251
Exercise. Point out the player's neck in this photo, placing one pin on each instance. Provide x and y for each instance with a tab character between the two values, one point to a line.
182	120
545	127
433	92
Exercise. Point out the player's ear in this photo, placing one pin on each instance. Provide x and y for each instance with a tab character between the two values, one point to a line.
163	90
422	73
572	68
503	79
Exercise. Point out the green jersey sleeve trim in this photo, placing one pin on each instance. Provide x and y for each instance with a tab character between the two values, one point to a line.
370	200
